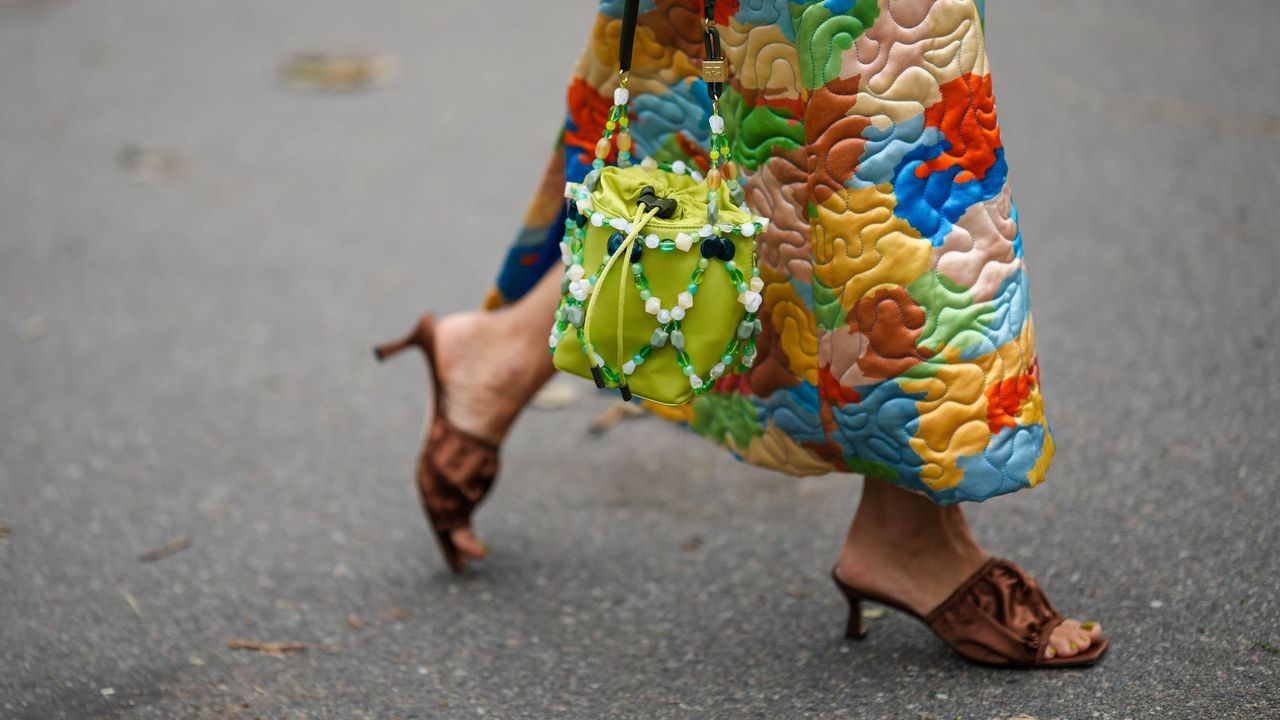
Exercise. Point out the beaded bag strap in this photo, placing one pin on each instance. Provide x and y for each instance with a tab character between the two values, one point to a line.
715	71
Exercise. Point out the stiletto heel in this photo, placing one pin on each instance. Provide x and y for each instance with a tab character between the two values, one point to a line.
856	629
388	350
455	468
999	616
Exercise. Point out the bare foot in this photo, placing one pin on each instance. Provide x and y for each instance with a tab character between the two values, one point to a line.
490	364
901	545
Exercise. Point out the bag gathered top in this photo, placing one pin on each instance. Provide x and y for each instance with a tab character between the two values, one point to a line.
671	305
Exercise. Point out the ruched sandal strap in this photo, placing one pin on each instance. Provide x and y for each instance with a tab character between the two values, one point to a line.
999	616
458	471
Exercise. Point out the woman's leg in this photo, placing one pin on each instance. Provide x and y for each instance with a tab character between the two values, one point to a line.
491	362
904	546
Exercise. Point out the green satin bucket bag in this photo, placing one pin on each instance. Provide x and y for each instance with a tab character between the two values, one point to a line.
670	307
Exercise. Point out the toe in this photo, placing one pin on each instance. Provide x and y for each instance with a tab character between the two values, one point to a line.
1071	630
1093	630
1063	644
468	544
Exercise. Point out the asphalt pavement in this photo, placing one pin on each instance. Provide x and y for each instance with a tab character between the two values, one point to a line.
195	259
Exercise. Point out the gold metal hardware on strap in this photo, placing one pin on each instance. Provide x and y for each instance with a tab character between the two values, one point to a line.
716	71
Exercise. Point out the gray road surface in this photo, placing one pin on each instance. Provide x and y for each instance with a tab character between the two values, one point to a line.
187	353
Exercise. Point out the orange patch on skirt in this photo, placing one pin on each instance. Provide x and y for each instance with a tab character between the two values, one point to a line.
967	117
1005	398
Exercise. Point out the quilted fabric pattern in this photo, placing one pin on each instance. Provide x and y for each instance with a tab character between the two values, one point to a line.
898	338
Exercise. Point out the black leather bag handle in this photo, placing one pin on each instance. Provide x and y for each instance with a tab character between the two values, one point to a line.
710	41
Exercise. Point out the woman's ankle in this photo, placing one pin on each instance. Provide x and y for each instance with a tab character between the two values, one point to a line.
906	547
490	370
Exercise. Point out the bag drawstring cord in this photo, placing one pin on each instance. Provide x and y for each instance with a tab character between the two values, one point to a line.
642	217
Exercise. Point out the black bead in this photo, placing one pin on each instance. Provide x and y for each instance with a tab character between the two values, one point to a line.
710	247
667	208
636	248
615	242
581	219
727	249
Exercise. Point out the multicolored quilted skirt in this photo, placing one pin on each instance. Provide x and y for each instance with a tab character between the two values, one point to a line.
897	328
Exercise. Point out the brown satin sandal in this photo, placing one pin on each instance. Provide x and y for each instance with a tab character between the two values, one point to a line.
455	469
999	616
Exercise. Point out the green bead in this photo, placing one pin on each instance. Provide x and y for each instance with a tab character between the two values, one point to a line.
638	359
693	288
697	274
645	352
735	275
637	269
682	358
645	295
688	370
727	359
667	245
677	340
741	287
642	282
704	263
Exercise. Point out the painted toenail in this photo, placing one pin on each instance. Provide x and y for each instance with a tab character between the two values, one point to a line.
1088	625
1050	653
1074	647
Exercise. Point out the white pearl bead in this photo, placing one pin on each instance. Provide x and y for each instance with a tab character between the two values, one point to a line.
697	176
695	382
652	306
684	241
717	124
677	313
651	241
580	295
754	303
685	300
748	229
576	272
706	231
628	367
649	164
618	223
621	96
597	219
553	340
678	167
664	316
